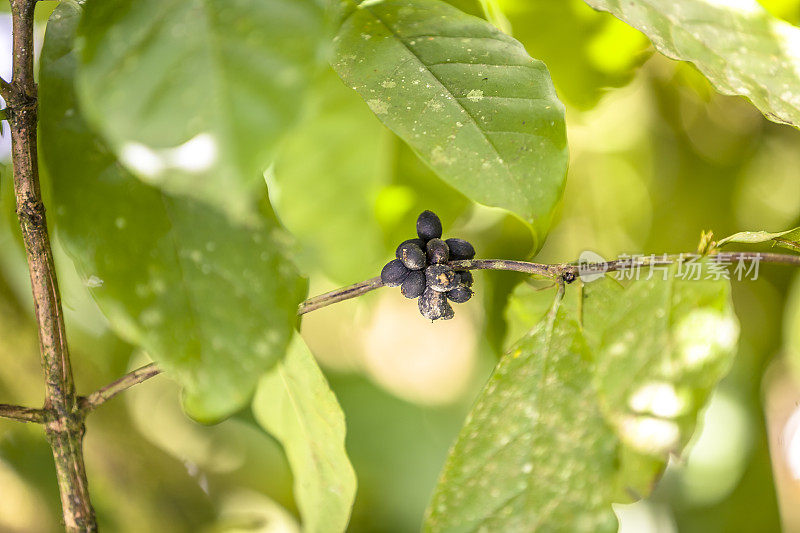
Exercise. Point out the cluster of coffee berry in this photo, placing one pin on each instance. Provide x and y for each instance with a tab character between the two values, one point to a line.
421	269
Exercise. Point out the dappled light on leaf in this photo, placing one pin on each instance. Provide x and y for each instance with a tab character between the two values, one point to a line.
224	83
737	45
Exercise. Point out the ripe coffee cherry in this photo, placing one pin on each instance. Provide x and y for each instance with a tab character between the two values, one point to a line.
440	278
460	249
437	251
460	294
464	278
411	255
414	284
433	305
394	273
429	226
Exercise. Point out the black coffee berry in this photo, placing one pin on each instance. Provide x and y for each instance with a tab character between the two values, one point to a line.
437	251
423	271
412	256
568	277
429	226
460	294
394	273
434	306
464	278
418	242
460	249
414	284
440	278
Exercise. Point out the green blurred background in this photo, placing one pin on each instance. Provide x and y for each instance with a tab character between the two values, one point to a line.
656	157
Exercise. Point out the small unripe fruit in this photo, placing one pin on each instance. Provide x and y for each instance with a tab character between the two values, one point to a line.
440	278
411	255
414	284
437	251
433	305
464	278
394	273
429	226
460	294
460	249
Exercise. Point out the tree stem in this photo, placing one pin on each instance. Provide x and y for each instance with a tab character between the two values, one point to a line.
64	423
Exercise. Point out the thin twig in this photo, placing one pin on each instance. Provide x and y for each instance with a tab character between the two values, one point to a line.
100	396
345	293
22	414
555	272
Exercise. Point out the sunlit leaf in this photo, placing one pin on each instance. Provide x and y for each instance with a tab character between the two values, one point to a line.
295	404
738	46
193	95
467	97
786	239
213	302
326	180
585	409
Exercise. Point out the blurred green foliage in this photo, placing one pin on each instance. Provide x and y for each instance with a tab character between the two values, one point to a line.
652	164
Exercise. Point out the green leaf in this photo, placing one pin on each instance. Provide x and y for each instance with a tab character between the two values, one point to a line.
295	404
787	239
468	98
337	158
584	410
738	46
660	347
213	302
194	95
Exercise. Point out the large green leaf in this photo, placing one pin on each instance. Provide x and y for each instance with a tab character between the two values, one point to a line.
295	404
193	95
213	302
584	411
467	97
738	46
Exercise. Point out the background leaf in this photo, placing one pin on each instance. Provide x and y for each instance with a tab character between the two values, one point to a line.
295	404
601	51
465	96
738	46
193	96
325	182
584	410
211	301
